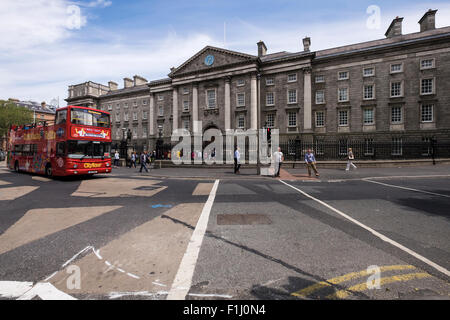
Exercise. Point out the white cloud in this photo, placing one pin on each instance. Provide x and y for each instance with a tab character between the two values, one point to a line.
99	3
25	24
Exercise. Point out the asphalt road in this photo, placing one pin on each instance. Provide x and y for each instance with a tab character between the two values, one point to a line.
166	234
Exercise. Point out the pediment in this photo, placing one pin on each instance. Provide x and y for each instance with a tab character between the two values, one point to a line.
211	58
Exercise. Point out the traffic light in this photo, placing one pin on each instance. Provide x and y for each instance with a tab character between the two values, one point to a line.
268	134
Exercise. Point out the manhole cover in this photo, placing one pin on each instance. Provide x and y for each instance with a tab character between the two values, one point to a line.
242	219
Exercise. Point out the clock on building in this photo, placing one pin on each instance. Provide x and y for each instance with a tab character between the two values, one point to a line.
209	60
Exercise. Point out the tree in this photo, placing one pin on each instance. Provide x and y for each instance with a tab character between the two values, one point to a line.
12	114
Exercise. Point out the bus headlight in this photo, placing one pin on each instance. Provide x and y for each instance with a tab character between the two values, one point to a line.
107	164
75	166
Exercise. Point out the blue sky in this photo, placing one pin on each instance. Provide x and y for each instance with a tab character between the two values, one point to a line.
45	45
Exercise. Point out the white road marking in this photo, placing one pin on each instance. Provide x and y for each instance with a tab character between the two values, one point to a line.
45	291
75	256
159	284
409	189
115	295
50	276
403	177
210	295
13	289
132	275
183	278
375	233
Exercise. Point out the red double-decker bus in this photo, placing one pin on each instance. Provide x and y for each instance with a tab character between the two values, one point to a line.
78	143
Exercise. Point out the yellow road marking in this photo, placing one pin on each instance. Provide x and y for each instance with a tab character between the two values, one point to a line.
349	276
342	294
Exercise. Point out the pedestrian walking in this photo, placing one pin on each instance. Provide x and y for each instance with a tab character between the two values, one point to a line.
279	158
237	160
310	161
144	159
350	159
133	159
116	158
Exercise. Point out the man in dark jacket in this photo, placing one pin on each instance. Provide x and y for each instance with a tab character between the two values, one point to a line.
144	161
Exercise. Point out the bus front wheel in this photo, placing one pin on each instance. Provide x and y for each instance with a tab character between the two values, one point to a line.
48	170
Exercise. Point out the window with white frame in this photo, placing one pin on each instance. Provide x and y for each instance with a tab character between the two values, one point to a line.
125	105
185	90
320	119
270	120
125	116
396	67
368	116
270	99
109	106
118	134
426	86
241	121
343	118
368	146
117	116
292	77
240	82
320	96
135	117
185	105
292	96
426	113
369	72
211	98
342	94
160	97
240	99
343	75
117	106
144	132
396	89
144	115
369	92
161	111
270	82
396	114
426	64
397	146
135	135
320	79
135	103
144	102
292	119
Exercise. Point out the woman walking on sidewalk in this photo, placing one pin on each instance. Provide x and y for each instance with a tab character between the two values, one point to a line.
351	157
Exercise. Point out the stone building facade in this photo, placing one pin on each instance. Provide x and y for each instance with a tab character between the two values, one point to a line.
396	89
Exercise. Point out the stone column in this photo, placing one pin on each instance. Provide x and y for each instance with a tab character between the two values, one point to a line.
227	104
151	115
175	109
307	111
195	108
253	102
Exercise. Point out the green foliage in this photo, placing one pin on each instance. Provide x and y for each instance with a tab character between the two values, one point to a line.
11	114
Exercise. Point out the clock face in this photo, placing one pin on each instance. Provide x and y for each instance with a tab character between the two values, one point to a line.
209	60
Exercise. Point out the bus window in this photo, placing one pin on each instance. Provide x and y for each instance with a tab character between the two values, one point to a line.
61	117
60	148
89	118
26	150
18	149
33	149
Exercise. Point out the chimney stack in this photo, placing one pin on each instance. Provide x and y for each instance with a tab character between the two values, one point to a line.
112	85
262	49
127	83
43	105
427	22
138	80
306	43
395	29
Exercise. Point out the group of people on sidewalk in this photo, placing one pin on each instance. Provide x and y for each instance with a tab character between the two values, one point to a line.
144	159
310	161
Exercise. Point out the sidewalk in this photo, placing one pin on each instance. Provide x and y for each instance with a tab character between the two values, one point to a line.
286	173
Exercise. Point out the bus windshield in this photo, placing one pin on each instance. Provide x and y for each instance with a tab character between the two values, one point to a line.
89	118
78	149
